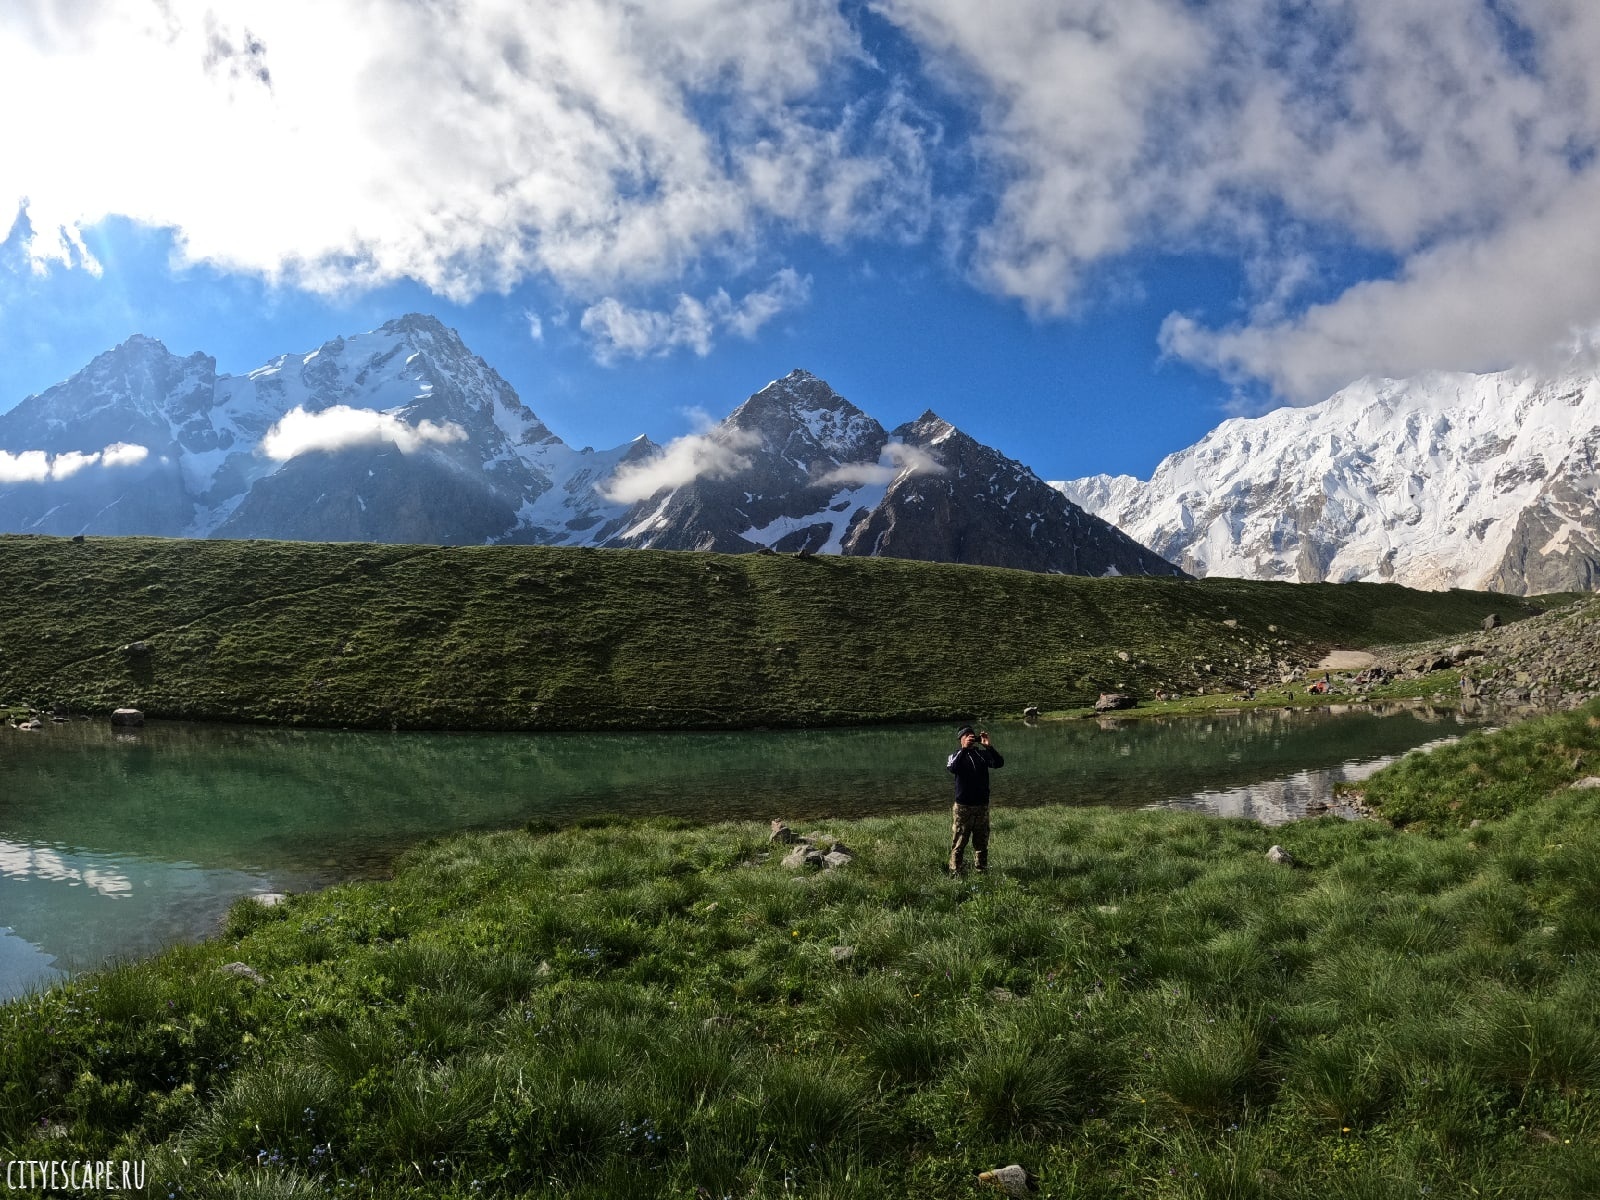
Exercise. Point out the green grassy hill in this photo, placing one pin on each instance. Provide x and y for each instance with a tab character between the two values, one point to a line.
541	637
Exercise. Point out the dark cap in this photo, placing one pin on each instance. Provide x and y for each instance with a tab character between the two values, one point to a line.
963	731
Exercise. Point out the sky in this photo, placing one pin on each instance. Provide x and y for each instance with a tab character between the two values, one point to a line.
1084	231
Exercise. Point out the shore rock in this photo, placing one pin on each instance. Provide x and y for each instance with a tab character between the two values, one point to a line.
1110	701
243	971
127	717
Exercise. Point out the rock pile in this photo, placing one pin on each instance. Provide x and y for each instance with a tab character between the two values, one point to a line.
1549	661
814	851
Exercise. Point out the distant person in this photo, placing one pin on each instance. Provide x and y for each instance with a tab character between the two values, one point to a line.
970	817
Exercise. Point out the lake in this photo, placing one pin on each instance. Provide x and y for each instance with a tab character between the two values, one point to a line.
116	843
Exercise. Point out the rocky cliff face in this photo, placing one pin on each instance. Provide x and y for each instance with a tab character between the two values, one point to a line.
1446	480
976	505
403	435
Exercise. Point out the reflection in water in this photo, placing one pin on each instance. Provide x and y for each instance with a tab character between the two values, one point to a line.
1302	794
121	844
41	862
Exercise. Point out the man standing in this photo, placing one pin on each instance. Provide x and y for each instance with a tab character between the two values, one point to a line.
970	765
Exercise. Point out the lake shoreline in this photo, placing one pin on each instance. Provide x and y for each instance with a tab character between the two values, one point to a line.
648	1007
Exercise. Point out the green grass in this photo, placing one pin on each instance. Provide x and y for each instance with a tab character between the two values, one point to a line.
1488	775
1130	1005
540	637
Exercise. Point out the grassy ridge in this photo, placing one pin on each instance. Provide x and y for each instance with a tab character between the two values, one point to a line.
1489	774
1132	1005
540	637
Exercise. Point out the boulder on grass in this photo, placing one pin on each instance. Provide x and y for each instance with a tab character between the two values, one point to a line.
1110	701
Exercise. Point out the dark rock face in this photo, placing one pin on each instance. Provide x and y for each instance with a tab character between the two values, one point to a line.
372	494
984	508
790	436
1555	545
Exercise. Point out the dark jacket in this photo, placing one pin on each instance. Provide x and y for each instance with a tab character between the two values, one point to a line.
971	769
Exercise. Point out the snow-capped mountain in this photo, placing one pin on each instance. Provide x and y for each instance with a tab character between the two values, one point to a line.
403	435
1444	480
821	476
400	434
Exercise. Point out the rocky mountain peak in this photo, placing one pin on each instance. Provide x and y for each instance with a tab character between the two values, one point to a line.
805	420
1442	480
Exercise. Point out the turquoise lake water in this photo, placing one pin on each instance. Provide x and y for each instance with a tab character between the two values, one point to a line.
116	843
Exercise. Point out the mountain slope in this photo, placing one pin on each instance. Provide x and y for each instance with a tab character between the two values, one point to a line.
1445	480
404	435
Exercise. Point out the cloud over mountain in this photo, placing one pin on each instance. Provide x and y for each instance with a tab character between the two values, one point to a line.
340	427
1405	184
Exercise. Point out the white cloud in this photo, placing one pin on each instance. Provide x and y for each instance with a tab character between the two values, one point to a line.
1520	295
36	466
30	466
341	427
348	143
618	331
535	325
681	461
896	460
1451	136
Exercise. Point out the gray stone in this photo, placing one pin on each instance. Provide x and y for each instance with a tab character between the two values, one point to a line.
1590	781
1492	621
127	716
842	954
136	648
781	833
801	857
242	971
270	899
835	859
1110	701
1278	854
1012	1180
1031	713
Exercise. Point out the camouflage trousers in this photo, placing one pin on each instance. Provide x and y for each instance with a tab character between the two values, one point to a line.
969	823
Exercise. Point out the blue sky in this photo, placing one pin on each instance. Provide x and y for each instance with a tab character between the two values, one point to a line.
1083	230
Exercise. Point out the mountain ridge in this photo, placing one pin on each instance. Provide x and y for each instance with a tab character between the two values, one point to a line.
1440	480
402	434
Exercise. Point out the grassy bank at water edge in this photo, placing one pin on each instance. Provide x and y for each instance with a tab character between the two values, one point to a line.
536	637
1131	1005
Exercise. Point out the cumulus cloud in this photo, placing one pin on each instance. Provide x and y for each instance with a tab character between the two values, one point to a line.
896	460
342	427
681	461
1518	296
469	146
618	331
1453	138
36	466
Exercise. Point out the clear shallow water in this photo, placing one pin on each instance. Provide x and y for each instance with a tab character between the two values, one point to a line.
116	844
